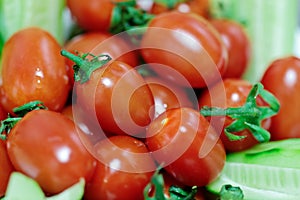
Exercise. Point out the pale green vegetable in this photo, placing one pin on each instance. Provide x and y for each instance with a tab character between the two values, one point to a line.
18	14
268	171
271	26
21	187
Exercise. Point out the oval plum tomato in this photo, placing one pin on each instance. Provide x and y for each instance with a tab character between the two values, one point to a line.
33	69
236	92
124	169
6	168
45	146
187	43
115	94
167	95
237	42
116	47
282	79
186	145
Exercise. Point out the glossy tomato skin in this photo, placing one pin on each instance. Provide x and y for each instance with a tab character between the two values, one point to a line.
200	7
6	167
33	69
119	97
234	93
167	95
45	145
191	46
237	43
282	79
190	150
120	175
91	14
100	42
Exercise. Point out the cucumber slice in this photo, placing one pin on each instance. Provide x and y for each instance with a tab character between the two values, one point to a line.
18	14
267	171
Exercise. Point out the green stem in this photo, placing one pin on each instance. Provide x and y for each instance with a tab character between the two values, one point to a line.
249	116
229	192
83	67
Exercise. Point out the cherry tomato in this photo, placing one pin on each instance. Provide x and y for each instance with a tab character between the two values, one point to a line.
238	45
6	168
33	69
167	95
119	97
124	170
45	146
92	15
187	43
116	47
186	145
200	7
282	79
235	94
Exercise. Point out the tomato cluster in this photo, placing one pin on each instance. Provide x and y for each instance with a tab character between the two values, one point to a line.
120	105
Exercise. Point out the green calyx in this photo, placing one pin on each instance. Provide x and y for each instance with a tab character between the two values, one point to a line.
229	192
249	116
175	192
170	4
126	16
20	112
83	67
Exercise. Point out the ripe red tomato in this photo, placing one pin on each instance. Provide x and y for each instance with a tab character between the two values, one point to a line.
45	146
230	93
186	145
101	43
123	170
33	69
187	43
119	97
92	15
167	95
238	45
282	79
200	7
6	168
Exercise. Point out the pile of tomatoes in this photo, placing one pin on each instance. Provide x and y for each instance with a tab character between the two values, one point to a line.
120	105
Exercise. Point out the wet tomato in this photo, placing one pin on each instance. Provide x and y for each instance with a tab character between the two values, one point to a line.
115	94
45	146
188	148
187	43
33	69
237	43
282	79
123	170
230	93
101	43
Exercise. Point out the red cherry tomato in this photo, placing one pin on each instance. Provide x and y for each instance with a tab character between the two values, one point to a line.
92	15
237	42
200	7
167	95
235	94
33	69
124	170
114	46
6	168
119	97
282	79
189	149
45	146
187	43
